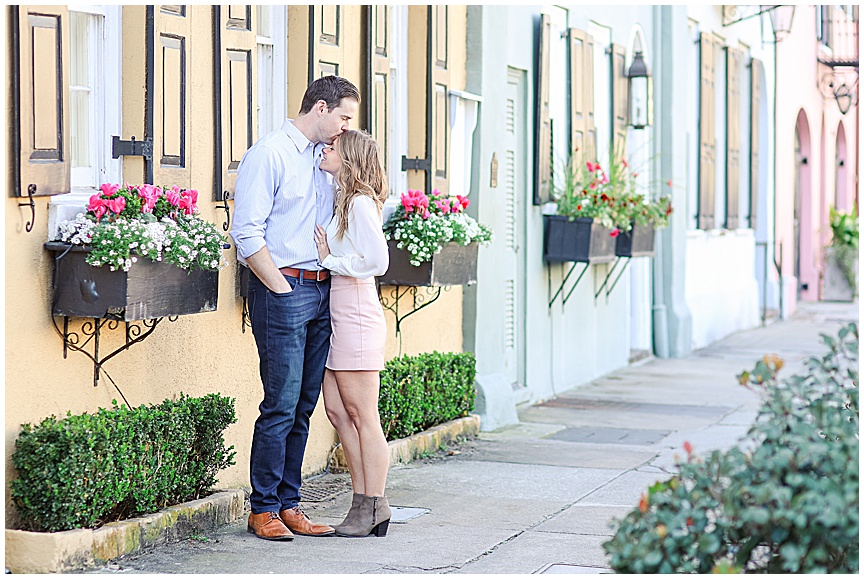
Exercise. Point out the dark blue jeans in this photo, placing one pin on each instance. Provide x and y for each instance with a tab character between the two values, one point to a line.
292	332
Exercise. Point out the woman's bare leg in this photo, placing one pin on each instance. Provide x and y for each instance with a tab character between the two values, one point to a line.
344	425
358	391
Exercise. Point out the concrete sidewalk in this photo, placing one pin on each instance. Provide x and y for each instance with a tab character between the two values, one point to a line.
535	497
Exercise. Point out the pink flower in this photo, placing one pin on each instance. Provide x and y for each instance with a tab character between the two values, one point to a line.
97	206
117	205
688	448
426	214
173	196
614	233
593	167
188	201
108	189
624	161
408	201
443	206
150	195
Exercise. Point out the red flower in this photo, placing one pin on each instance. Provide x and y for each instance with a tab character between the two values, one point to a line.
688	448
643	503
578	208
614	233
689	521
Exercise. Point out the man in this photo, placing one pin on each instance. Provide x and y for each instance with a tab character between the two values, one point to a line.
281	195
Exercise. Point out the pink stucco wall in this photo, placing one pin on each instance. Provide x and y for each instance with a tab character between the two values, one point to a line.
801	106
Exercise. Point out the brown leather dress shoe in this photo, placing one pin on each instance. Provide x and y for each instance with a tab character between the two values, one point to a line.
268	526
297	521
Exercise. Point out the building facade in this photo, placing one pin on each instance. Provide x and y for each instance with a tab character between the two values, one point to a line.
482	101
198	85
817	152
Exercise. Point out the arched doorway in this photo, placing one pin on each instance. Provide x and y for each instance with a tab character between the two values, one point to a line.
841	201
802	238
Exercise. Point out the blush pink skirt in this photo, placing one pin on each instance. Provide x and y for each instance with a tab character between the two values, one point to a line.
357	319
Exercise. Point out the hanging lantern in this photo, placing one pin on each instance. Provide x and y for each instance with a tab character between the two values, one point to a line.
641	93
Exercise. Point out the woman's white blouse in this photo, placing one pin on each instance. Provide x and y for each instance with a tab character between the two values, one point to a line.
362	250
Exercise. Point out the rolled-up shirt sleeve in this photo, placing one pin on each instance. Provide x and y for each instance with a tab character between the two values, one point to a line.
257	185
365	233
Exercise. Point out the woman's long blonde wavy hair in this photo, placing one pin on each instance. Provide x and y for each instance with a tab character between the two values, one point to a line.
362	173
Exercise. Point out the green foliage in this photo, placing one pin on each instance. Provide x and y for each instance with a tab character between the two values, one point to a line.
844	228
786	503
418	392
90	469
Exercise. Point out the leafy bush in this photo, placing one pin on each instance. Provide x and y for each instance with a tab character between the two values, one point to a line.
418	392
844	228
787	504
90	469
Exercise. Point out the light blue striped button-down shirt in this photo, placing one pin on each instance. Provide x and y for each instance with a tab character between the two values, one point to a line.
279	197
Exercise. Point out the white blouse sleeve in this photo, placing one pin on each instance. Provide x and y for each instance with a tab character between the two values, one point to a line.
367	237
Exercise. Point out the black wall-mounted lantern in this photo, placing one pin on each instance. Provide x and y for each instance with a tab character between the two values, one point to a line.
641	93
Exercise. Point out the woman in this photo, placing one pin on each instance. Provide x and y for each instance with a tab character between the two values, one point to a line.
353	248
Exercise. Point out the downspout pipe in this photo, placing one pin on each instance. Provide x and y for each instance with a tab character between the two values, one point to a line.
658	307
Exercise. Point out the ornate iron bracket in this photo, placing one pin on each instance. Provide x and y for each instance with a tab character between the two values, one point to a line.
391	303
91	330
227	224
245	320
734	13
31	191
564	299
609	274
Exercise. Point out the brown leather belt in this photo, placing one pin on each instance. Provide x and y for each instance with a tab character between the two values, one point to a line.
317	275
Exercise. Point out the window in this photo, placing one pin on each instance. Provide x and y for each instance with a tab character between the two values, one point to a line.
398	99
272	107
94	95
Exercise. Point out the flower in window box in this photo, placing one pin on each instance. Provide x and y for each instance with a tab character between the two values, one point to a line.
612	198
423	224
128	222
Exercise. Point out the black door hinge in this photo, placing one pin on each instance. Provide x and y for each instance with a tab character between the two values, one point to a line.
132	148
416	164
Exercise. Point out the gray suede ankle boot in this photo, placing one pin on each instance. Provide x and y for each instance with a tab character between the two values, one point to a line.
356	500
373	517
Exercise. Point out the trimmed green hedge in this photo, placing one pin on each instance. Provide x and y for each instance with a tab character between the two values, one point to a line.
91	469
418	392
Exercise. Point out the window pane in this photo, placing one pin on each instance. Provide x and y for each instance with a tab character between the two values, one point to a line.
79	42
263	20
80	125
79	25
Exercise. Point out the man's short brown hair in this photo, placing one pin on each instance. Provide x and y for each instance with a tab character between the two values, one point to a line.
330	89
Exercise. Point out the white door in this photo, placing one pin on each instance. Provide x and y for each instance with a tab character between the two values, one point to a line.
512	176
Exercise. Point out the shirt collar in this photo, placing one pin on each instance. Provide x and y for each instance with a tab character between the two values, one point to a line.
297	137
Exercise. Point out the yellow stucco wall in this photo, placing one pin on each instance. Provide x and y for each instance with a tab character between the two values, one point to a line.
197	354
